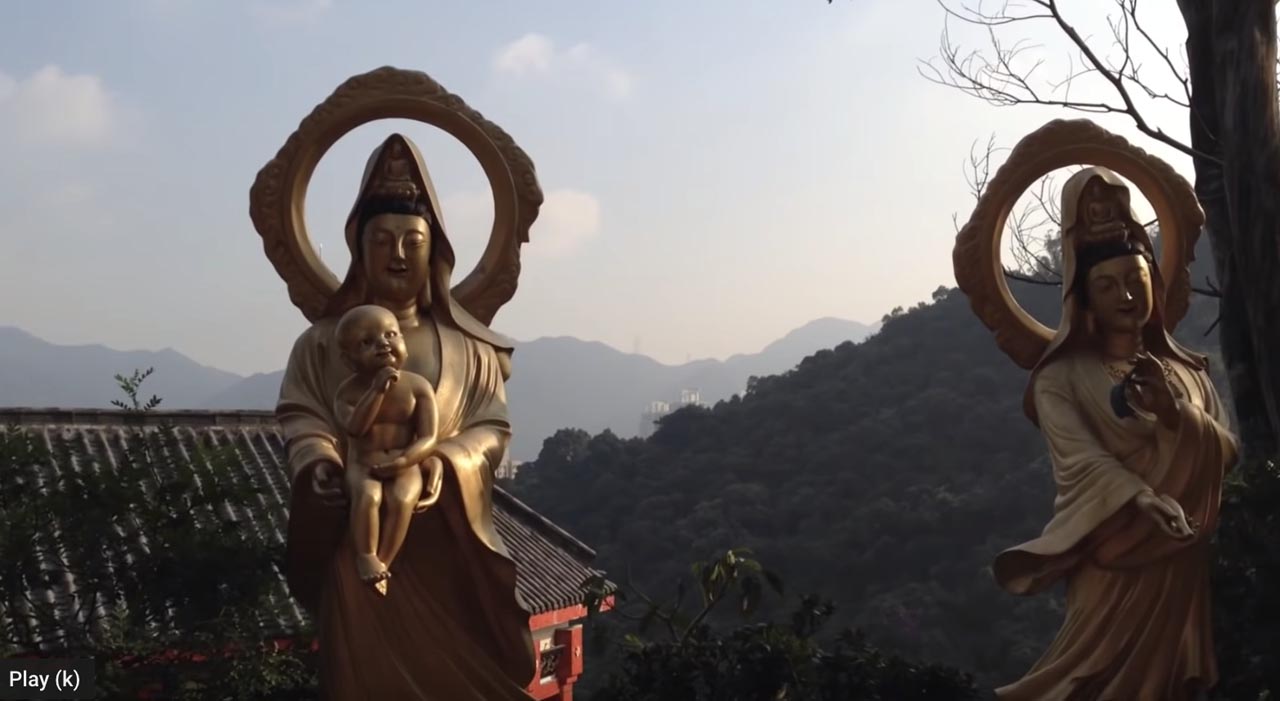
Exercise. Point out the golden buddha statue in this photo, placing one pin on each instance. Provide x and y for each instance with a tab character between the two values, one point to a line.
452	623
452	626
1137	435
1140	446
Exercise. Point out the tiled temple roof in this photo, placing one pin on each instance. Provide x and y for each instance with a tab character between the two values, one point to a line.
550	563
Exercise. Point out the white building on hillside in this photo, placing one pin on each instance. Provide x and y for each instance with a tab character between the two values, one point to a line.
508	468
656	410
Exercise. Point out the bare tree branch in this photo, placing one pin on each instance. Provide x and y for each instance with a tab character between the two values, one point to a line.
1209	290
1002	78
1032	280
1118	83
1130	9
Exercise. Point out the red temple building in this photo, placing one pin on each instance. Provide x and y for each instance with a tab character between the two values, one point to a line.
551	564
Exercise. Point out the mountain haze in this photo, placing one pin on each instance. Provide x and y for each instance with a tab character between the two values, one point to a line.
556	382
565	382
36	373
257	391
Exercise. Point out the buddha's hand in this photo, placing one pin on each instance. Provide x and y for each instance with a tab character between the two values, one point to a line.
384	378
326	482
1167	513
1151	390
432	480
390	468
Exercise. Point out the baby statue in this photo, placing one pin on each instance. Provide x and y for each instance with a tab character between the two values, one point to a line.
391	421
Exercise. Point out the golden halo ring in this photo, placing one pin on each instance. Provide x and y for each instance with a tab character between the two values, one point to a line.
277	199
1059	144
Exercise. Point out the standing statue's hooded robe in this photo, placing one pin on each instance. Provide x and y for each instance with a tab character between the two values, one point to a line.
451	627
1138	621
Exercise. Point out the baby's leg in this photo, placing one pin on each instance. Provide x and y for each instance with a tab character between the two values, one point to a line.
366	497
402	496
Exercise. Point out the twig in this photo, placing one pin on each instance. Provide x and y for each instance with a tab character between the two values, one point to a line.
1209	290
1183	80
995	79
1116	82
1023	278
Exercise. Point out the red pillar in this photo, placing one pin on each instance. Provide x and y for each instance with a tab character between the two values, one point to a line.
570	667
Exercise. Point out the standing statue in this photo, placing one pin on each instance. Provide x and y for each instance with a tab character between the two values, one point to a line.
451	627
1136	432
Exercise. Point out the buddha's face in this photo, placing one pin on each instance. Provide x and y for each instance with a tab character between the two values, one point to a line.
1120	294
372	340
396	252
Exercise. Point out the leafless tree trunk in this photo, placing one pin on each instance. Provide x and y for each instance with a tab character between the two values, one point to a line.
1235	117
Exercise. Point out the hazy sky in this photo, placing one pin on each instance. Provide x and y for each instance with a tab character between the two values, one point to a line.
717	172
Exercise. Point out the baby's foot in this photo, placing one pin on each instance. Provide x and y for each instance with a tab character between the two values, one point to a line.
371	569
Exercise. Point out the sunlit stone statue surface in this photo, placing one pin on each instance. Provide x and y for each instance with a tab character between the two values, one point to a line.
1140	445
450	626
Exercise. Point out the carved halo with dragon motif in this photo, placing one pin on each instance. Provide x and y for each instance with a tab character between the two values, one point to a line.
1059	144
277	200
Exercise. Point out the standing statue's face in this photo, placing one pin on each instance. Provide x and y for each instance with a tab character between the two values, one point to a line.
1120	294
396	253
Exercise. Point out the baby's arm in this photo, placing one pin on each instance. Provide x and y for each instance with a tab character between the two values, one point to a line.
360	419
343	410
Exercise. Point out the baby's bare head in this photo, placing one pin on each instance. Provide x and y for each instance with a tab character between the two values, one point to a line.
369	338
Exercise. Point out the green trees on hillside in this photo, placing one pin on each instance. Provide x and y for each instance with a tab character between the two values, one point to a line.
1245	582
884	476
686	659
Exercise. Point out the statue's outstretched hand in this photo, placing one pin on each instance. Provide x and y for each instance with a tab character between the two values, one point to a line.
326	482
1167	513
432	481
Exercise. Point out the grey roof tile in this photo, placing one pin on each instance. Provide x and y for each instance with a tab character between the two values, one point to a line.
550	563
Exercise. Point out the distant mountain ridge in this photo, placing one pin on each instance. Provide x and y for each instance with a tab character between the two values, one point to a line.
565	382
557	382
34	372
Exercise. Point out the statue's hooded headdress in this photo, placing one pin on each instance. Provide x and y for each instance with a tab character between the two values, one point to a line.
1080	247
396	170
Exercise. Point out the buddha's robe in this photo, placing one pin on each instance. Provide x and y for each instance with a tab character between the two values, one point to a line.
451	627
1138	602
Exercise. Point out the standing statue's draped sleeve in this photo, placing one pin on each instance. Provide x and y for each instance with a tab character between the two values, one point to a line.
304	410
475	432
1137	598
1094	516
1092	486
1189	465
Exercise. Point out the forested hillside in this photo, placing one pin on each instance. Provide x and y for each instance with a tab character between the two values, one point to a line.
884	475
